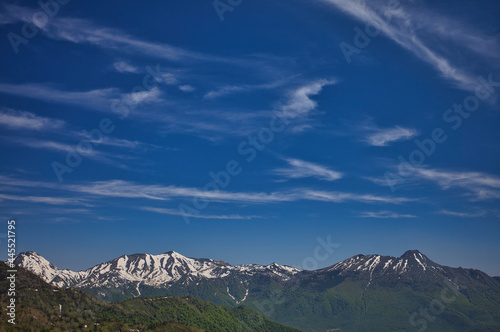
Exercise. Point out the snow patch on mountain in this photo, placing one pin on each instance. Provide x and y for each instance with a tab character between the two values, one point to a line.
375	265
130	272
160	270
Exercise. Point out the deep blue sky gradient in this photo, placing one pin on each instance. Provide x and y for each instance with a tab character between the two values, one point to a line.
226	81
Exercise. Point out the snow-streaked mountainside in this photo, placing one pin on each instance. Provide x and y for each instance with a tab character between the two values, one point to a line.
411	262
174	274
379	292
151	270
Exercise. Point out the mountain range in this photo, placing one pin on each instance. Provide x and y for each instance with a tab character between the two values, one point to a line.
364	292
43	307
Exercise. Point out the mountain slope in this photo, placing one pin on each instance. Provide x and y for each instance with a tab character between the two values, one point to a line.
41	307
383	293
364	292
155	275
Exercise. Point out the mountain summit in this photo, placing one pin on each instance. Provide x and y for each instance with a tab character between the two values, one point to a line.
414	254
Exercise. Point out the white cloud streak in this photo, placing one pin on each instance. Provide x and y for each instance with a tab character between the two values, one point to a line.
122	143
112	159
143	97
41	199
304	169
119	188
186	88
481	186
299	101
85	32
28	121
126	189
412	32
80	31
175	212
385	136
215	124
385	215
124	67
229	89
339	197
98	99
463	214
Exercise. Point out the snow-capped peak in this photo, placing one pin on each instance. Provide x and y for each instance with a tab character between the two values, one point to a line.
151	270
32	261
410	261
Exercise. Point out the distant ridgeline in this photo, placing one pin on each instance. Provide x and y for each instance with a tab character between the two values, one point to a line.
362	293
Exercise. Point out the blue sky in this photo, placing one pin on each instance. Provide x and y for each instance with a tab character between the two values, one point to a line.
245	130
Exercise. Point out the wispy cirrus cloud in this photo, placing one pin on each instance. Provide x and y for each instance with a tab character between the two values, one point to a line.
119	188
298	105
414	28
110	158
97	99
186	88
225	90
123	143
476	214
475	185
143	97
41	199
83	31
176	212
229	89
385	215
339	197
304	169
384	136
66	147
28	121
480	186
9	16
167	78
125	67
216	124
156	192
88	32
299	102
209	124
80	31
206	123
46	144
